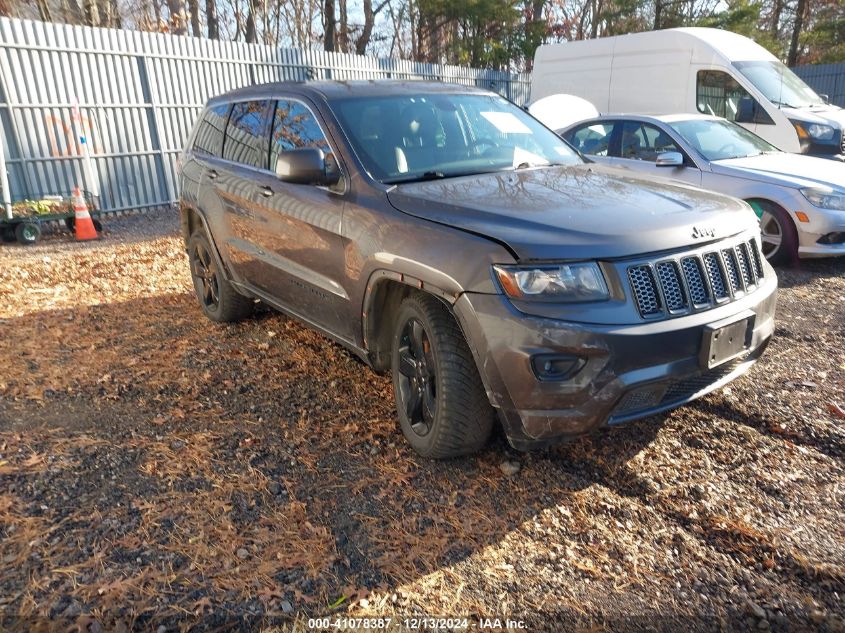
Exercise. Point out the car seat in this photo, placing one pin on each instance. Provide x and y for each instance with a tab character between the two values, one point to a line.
418	126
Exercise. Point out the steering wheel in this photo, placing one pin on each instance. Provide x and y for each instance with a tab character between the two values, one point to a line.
727	148
484	141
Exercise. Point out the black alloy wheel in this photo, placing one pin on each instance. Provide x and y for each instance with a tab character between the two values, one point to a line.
418	378
205	274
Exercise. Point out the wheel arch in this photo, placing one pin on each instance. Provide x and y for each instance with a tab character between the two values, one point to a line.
762	201
192	219
384	294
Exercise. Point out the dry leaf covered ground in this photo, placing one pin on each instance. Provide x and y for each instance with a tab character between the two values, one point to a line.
159	470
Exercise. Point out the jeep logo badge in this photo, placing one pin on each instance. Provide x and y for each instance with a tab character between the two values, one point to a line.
706	231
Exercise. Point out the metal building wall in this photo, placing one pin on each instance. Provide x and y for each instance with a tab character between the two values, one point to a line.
826	79
139	95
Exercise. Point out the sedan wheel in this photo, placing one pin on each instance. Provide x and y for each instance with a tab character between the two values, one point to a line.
771	234
777	233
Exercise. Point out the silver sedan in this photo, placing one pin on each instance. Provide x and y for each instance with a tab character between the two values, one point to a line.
800	199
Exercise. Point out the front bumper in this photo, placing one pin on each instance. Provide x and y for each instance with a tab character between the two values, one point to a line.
629	371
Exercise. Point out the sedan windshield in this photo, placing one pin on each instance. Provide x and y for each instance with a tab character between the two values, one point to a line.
717	139
404	138
778	84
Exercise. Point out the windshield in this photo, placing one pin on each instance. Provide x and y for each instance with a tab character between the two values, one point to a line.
778	84
720	139
419	137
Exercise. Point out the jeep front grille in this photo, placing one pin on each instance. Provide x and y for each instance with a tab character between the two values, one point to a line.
677	285
729	257
673	290
716	276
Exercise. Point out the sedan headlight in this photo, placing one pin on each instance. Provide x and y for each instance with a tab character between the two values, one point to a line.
562	282
825	199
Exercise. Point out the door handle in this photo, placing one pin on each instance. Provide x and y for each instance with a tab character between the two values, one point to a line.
266	191
211	174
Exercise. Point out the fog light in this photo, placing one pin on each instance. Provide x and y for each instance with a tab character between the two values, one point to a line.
832	238
556	366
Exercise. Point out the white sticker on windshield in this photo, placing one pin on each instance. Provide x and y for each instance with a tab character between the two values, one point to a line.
506	122
528	159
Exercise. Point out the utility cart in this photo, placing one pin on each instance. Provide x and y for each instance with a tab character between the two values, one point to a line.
30	217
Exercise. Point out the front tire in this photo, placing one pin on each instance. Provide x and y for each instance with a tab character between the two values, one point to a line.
217	297
442	406
778	235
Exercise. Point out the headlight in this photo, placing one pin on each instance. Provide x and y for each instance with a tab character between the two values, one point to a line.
816	131
564	282
820	132
824	199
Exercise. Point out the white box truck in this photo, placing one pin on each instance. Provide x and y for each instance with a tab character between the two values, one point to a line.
694	70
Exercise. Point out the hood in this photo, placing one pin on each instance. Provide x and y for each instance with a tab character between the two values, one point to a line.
792	170
578	212
817	114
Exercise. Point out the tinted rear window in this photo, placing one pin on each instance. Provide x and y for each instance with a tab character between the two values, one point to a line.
209	138
245	134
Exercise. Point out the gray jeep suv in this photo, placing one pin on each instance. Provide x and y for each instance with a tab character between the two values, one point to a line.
445	236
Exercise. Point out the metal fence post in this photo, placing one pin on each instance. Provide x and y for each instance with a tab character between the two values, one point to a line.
154	123
15	134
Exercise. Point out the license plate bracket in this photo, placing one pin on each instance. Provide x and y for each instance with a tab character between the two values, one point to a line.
724	340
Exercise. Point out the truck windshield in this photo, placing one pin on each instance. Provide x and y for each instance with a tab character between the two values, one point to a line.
779	84
719	139
403	138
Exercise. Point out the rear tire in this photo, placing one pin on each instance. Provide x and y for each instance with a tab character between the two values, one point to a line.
440	399
217	297
778	234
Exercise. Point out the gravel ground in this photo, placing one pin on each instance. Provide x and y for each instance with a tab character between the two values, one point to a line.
157	470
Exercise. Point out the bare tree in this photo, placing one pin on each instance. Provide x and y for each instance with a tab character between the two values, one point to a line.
211	19
343	30
44	11
797	26
370	14
329	26
178	17
774	25
194	12
92	13
251	33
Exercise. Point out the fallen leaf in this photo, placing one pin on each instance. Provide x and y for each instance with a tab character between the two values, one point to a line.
836	410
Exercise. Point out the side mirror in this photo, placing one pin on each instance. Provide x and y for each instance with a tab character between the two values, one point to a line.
670	159
747	111
307	166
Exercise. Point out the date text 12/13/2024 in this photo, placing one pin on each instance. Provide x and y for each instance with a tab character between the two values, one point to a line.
416	623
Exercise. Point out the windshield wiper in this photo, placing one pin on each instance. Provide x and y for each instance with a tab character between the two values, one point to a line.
527	165
781	104
426	175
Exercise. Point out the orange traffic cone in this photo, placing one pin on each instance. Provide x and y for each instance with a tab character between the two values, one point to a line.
83	225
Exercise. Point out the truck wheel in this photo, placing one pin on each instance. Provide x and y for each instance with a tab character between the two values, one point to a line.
217	297
778	234
28	233
442	406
